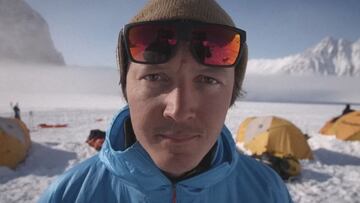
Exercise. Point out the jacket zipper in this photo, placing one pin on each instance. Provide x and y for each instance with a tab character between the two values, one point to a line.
173	193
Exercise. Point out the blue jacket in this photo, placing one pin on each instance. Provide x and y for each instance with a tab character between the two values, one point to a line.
129	175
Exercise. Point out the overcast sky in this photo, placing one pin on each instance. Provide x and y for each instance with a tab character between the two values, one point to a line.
85	31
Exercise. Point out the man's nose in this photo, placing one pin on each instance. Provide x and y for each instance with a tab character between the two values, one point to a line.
180	104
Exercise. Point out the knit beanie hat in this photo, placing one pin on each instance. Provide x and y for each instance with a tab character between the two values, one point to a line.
201	10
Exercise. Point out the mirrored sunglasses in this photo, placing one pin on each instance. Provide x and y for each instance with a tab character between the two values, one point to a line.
155	42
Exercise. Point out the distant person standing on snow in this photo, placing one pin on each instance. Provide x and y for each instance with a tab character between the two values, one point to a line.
347	109
16	111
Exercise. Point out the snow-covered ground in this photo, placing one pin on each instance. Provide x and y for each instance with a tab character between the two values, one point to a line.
81	96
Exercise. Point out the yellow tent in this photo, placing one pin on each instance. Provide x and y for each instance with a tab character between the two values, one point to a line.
273	135
14	142
348	126
328	128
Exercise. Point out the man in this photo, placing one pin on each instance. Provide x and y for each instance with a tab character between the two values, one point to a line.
16	109
170	144
347	110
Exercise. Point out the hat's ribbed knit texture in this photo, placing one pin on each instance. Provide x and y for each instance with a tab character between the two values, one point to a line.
201	10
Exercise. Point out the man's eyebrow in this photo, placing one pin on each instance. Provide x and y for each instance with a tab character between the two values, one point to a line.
210	69
155	67
203	69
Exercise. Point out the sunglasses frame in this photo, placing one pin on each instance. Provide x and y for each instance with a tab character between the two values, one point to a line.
182	24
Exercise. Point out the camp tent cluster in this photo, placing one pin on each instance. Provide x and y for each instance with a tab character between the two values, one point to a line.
14	142
278	142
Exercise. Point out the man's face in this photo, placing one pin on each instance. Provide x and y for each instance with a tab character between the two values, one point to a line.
178	108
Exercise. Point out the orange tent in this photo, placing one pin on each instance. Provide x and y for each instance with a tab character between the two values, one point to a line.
328	128
273	135
348	126
14	142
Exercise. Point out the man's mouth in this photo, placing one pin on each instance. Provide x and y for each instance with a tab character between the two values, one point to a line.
179	138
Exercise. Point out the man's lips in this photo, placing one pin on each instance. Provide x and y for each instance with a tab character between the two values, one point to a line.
179	138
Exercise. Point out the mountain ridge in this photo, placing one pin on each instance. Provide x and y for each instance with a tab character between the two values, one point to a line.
336	57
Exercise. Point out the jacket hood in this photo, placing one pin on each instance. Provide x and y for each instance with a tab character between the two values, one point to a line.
134	165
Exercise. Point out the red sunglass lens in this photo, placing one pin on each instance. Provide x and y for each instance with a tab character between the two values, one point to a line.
215	45
151	43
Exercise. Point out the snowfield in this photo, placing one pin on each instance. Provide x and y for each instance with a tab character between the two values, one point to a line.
88	98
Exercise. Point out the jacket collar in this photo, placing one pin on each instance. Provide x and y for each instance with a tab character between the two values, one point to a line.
135	167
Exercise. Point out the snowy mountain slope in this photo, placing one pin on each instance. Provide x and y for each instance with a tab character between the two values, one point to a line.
25	35
329	57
